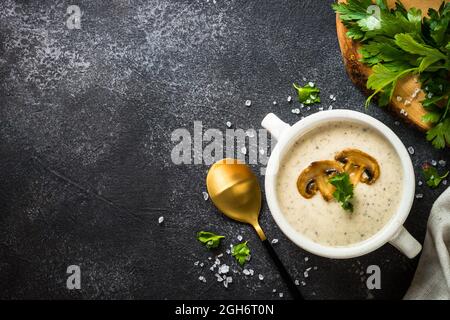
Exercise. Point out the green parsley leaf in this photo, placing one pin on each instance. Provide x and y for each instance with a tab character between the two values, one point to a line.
344	190
308	94
211	240
241	252
432	176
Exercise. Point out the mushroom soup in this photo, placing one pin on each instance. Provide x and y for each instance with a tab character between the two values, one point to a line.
306	196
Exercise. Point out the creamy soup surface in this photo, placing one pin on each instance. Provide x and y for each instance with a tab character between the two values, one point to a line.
326	222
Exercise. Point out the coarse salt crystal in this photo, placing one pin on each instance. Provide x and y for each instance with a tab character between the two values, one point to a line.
397	123
281	295
297	282
248	103
306	259
442	163
228	124
331	96
246	272
160	220
433	163
202	264
289	99
205	195
444	182
420	183
330	107
407	102
274	103
274	290
252	272
239	237
274	241
411	150
196	263
419	196
223	269
244	150
229	279
261	277
311	84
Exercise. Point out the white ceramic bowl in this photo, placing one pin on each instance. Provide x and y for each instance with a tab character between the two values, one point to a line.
393	232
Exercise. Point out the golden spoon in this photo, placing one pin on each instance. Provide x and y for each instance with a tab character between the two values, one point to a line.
235	191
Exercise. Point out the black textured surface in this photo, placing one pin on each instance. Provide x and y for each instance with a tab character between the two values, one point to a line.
85	124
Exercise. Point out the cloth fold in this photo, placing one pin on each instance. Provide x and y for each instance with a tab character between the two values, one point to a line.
432	278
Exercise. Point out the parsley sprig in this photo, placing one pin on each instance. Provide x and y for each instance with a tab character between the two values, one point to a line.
241	252
397	43
432	176
344	190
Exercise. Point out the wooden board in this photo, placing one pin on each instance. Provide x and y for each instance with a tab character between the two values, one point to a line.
359	72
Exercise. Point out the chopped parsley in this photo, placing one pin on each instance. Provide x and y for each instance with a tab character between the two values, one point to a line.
241	252
209	239
432	176
307	94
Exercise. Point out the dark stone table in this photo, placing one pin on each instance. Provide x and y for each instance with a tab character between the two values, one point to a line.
85	144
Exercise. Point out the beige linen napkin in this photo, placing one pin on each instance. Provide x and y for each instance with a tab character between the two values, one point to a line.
432	278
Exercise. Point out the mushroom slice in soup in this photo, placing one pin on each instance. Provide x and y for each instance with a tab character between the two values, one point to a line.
359	165
315	177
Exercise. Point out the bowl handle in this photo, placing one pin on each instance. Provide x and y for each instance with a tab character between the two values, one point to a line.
274	125
405	242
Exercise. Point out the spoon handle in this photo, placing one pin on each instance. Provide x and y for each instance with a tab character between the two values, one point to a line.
284	274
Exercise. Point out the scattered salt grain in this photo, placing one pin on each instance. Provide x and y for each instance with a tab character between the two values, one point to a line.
209	258
228	124
403	112
420	183
246	272
331	96
320	108
229	279
306	259
407	102
252	272
295	111
442	163
220	255
444	182
274	290
289	99
311	84
202	264
305	274
239	237
196	263
223	269
281	295
274	103
315	268
160	220
303	283
419	196
274	241
433	163
248	103
297	282
415	93
397	123
202	279
228	251
205	195
411	150
261	277
330	107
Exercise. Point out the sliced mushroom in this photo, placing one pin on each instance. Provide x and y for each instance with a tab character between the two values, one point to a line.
359	165
315	177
